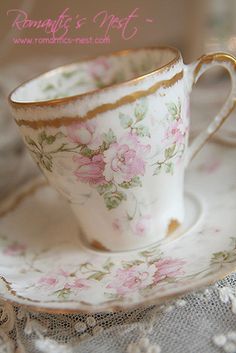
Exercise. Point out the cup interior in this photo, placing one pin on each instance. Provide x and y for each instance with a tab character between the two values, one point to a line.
89	75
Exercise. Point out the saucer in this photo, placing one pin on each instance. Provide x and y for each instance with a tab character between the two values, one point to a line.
44	266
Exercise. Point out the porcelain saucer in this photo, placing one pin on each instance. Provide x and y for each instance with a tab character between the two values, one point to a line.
44	265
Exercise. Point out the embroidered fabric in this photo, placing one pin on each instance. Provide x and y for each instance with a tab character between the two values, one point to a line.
199	322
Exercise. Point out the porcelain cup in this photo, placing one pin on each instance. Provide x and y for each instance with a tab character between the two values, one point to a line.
111	135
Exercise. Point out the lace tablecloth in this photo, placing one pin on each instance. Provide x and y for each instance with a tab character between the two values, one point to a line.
202	322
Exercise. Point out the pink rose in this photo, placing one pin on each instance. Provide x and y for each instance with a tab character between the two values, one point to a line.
99	70
60	280
141	226
130	279
176	132
48	281
90	170
168	268
84	133
125	159
77	284
15	249
117	225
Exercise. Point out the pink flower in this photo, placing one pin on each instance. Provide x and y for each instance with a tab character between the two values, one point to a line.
62	279
117	225
99	70
168	268
125	159
84	133
176	132
90	170
133	278
77	284
64	273
141	226
15	249
48	281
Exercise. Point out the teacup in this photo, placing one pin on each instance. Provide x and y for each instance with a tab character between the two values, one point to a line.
111	135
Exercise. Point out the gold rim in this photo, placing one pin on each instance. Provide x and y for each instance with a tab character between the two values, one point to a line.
209	58
113	305
65	121
63	100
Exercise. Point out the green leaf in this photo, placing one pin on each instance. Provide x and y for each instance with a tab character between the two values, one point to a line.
170	168
179	107
125	120
158	169
113	199
169	151
86	152
42	137
172	109
108	138
142	131
141	110
46	162
80	83
221	257
63	293
68	74
29	140
99	83
154	251
60	134
130	264
98	276
119	77
49	87
134	182
108	265
104	188
50	139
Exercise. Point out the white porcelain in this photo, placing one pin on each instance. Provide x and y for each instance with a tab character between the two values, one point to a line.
44	265
118	153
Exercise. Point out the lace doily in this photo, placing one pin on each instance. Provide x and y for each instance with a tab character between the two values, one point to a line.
200	322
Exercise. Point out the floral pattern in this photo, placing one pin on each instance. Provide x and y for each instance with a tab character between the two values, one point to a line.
90	170
114	165
149	269
144	275
62	283
13	248
114	162
125	160
175	134
97	73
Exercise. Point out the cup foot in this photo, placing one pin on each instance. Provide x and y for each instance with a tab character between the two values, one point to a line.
193	215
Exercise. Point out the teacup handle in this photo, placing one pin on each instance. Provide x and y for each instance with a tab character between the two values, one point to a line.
192	73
